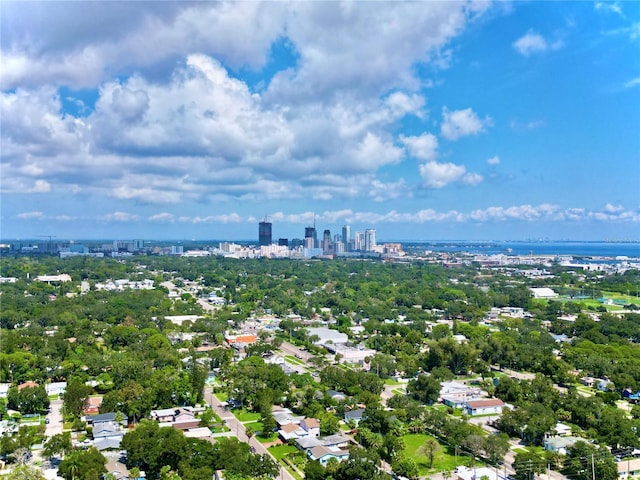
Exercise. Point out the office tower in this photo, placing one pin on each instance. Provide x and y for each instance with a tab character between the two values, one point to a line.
310	232
326	240
369	239
264	233
346	237
283	242
296	242
338	245
358	243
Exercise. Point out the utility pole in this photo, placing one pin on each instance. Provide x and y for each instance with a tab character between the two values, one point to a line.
593	465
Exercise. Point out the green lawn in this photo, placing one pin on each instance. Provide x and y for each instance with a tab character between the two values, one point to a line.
257	427
280	451
245	416
391	381
441	462
222	396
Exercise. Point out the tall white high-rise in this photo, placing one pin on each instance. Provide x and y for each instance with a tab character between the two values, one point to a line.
346	236
369	239
359	241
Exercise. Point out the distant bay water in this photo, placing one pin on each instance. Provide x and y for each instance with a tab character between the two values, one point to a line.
577	249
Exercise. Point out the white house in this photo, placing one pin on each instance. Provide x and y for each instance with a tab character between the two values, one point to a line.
308	427
484	406
323	454
55	388
562	430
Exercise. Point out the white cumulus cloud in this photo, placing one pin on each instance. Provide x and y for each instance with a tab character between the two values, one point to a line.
423	147
438	175
494	160
533	42
461	123
120	217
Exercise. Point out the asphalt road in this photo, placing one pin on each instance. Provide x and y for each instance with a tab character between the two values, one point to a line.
289	349
239	430
55	418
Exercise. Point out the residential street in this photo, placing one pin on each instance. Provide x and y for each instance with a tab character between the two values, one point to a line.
55	418
238	428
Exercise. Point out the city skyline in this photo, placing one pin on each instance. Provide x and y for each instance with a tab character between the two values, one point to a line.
423	121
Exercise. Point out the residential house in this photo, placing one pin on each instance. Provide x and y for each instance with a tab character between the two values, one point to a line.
285	417
605	385
242	339
562	430
331	441
337	396
484	406
27	385
627	394
55	388
92	405
180	418
356	415
308	427
107	434
588	381
560	444
107	417
311	426
455	394
324	454
203	433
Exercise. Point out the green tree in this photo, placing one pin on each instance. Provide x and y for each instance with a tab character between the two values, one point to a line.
584	461
59	444
26	472
313	470
527	464
495	447
430	449
405	467
83	464
150	447
28	400
425	388
74	397
329	423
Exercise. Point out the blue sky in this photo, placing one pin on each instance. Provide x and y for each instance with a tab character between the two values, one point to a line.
423	120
